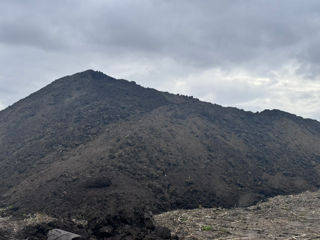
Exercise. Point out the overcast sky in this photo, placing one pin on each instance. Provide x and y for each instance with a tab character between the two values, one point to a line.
252	54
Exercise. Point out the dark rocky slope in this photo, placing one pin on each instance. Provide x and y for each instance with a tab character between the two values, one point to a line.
88	145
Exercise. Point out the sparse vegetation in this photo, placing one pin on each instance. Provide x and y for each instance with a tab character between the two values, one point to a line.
206	228
281	217
37	218
4	210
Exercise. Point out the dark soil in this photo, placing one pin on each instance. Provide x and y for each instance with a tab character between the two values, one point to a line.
127	226
89	146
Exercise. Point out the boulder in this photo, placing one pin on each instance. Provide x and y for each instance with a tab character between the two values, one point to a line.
58	234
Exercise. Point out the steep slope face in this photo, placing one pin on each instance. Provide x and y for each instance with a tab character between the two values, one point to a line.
69	112
90	145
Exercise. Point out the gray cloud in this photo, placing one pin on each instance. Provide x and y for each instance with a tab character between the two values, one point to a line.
195	47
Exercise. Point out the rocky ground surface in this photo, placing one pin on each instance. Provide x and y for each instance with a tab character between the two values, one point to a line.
11	227
281	217
7	229
36	227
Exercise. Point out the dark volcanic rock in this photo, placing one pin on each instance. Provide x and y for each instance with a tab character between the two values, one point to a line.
135	224
88	146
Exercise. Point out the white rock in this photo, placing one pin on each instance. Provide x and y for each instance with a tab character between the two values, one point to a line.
58	234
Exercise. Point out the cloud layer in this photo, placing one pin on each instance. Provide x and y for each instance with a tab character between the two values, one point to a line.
250	54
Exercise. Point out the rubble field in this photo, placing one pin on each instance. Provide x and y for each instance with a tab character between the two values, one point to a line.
281	217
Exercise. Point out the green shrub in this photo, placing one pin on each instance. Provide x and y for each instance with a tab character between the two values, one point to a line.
206	228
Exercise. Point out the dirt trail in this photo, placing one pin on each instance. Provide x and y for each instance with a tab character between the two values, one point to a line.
281	217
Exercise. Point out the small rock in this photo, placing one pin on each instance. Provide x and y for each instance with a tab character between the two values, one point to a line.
58	234
105	231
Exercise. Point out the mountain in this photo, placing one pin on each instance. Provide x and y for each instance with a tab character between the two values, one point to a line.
89	145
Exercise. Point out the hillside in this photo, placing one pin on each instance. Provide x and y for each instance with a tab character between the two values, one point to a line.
89	146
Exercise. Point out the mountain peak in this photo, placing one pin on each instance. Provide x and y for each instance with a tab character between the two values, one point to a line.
92	73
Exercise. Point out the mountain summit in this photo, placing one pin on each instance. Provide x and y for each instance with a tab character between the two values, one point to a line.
89	145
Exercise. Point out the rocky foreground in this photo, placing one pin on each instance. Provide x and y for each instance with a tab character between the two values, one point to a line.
281	217
40	226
